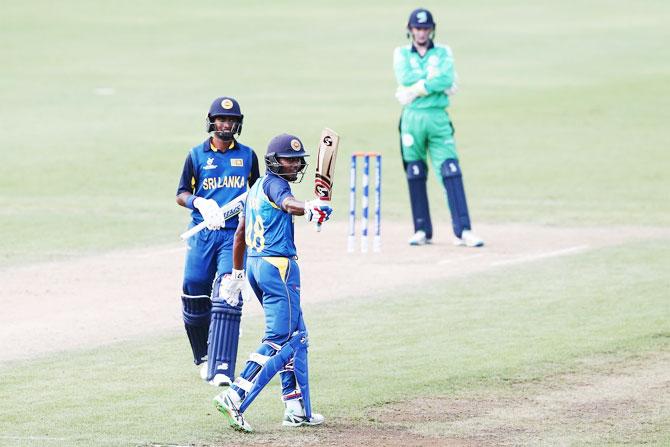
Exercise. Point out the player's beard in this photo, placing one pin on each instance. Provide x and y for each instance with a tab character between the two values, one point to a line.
295	176
290	176
224	135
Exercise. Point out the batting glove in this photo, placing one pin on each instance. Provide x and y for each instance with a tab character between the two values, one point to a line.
405	95
211	213
317	211
231	287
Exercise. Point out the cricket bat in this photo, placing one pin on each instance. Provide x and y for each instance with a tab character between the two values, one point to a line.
325	166
230	209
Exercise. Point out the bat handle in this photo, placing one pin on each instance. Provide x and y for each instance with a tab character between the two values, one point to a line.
194	230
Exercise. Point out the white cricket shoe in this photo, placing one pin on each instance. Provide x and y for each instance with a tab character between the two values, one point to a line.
203	370
419	238
469	239
220	379
229	406
296	419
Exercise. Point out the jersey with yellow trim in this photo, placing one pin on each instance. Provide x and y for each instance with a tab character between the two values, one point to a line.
221	176
269	229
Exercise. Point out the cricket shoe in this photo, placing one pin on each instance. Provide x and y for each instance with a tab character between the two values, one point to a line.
220	379
419	238
203	370
227	405
468	239
293	419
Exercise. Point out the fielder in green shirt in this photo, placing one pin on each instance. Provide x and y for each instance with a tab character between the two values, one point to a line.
426	80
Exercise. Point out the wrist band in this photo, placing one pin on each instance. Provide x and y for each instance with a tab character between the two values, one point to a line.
189	201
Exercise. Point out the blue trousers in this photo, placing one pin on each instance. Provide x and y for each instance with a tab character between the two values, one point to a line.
276	283
209	252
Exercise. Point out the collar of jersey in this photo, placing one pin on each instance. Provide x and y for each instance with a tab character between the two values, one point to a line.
430	46
214	149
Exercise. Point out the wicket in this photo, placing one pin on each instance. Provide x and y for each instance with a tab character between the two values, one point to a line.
365	202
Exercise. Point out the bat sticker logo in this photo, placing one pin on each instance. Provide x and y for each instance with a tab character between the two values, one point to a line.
322	188
327	140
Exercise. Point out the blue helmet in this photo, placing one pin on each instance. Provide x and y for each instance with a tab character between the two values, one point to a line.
421	18
225	106
285	146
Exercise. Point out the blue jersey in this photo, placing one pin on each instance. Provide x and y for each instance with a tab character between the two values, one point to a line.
221	176
269	229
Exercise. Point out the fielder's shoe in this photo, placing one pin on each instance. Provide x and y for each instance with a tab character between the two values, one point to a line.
294	419
419	238
469	239
226	405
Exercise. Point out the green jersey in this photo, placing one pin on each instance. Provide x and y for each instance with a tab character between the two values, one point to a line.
436	67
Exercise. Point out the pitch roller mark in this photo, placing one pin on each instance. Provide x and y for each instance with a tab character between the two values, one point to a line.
549	254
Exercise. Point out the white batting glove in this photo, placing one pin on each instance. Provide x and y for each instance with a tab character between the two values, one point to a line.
231	286
211	213
317	211
405	95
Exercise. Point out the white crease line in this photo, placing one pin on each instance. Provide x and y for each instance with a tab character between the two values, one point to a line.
464	258
33	438
550	254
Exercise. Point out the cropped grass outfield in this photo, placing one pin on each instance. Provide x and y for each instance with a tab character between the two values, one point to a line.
560	120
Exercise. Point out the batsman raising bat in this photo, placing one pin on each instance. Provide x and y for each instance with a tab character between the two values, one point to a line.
266	232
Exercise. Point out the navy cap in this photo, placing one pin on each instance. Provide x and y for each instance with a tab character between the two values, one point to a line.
225	106
285	146
420	18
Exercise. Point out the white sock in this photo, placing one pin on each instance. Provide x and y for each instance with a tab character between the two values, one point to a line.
295	406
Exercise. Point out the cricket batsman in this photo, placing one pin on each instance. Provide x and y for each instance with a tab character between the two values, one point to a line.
267	233
215	172
426	79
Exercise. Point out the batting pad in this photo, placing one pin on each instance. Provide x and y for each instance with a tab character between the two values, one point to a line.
196	312
417	175
276	363
224	335
458	206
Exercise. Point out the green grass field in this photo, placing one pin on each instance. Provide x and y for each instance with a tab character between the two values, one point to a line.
560	121
509	329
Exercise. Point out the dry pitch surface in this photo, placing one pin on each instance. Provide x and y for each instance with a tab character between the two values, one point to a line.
123	295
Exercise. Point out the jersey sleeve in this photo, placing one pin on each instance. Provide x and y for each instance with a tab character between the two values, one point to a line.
404	73
255	171
187	180
277	190
443	78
